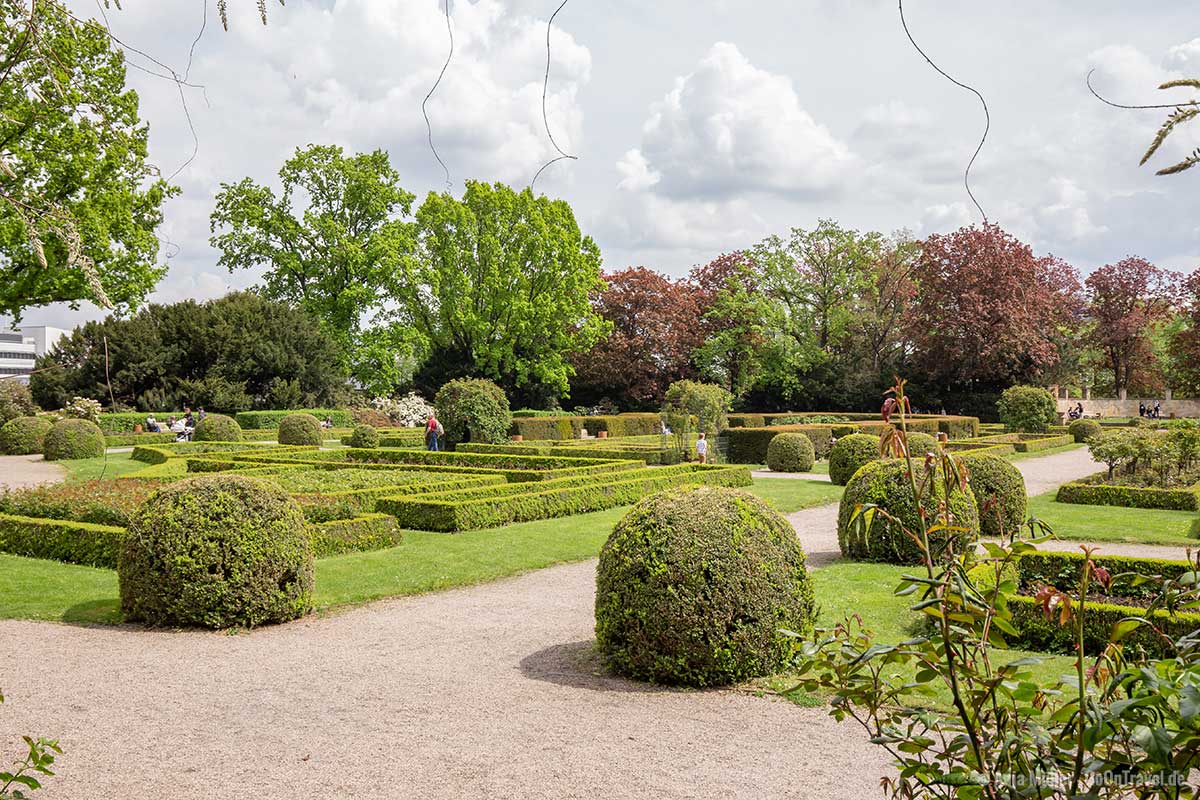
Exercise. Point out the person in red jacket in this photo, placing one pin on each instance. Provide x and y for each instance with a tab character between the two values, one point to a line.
433	432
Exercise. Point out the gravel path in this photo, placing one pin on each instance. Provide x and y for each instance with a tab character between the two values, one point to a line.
20	471
490	691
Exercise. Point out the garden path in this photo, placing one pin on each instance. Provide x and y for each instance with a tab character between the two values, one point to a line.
20	471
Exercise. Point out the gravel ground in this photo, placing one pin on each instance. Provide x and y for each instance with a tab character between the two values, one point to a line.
19	471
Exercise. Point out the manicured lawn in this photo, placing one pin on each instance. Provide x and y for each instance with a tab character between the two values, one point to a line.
33	588
793	494
1115	524
88	469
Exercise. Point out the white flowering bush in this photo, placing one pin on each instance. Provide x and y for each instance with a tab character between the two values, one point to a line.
411	410
82	408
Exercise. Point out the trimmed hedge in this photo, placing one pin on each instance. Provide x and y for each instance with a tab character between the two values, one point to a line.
539	503
125	421
999	490
921	443
73	438
403	437
728	573
98	502
1030	409
24	436
790	452
158	453
61	540
355	535
216	552
885	484
1094	491
364	436
301	429
1039	633
258	420
134	439
569	427
1061	570
217	428
1084	429
850	454
1039	443
472	410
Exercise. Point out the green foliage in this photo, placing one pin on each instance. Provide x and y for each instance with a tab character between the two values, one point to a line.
73	438
15	401
565	427
999	490
300	429
82	408
807	419
498	287
1097	493
1083	430
364	436
357	534
267	420
401	437
61	540
22	436
878	537
473	410
338	257
102	502
217	551
921	443
81	200
707	402
1183	113
850	454
217	428
1028	409
790	452
694	586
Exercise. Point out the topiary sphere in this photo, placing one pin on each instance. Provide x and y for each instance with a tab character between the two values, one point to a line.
850	454
921	443
216	551
999	490
790	452
24	435
73	438
473	410
217	428
364	436
885	484
301	429
1084	429
693	586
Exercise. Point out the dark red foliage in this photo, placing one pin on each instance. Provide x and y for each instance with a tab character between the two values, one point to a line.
988	310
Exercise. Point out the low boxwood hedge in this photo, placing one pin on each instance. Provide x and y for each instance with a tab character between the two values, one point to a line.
1095	491
71	439
61	540
1062	571
126	421
474	514
1034	444
135	439
569	427
24	436
401	437
252	420
1039	633
355	535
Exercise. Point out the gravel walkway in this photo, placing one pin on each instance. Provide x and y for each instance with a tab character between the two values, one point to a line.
485	692
19	471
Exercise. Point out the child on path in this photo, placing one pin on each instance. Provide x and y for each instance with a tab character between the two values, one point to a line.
702	449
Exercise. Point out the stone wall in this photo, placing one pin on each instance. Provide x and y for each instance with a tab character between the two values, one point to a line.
1114	407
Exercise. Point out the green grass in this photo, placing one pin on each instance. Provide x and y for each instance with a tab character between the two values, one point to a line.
88	469
1116	524
793	494
37	589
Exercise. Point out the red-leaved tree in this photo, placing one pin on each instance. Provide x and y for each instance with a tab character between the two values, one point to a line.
655	328
1125	301
1185	346
988	312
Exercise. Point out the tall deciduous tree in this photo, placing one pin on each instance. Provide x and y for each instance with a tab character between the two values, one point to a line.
1125	301
498	287
988	311
737	320
1185	344
78	202
332	243
655	328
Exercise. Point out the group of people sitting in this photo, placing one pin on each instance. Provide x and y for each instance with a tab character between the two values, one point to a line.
183	427
1076	412
1152	413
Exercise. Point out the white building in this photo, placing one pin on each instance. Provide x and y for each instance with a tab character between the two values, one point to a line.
20	348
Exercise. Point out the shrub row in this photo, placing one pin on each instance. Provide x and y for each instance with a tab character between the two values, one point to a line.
134	439
567	427
1036	444
448	516
1092	491
23	436
61	540
158	453
124	421
259	420
349	502
355	535
954	426
1039	633
749	445
404	437
651	454
487	460
1061	570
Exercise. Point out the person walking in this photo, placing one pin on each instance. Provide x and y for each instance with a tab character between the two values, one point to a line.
1157	410
433	431
1141	409
702	449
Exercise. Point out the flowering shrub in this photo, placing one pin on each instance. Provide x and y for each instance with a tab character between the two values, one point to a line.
82	408
410	410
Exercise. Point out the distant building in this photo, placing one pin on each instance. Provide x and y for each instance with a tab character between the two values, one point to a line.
20	348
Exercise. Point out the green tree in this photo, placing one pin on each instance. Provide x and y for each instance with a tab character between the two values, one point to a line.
498	287
737	319
78	203
331	242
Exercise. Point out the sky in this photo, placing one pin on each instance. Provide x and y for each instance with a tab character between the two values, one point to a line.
700	126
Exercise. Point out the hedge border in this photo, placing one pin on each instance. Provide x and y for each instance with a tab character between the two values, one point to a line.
261	420
360	534
1090	491
61	540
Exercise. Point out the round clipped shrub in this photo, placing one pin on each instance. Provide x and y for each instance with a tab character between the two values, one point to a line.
885	484
216	551
73	438
24	435
302	429
364	436
217	428
1084	429
999	490
850	454
1027	409
473	410
694	585
921	443
790	452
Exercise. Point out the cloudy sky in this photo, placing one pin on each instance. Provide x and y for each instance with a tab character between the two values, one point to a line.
700	125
